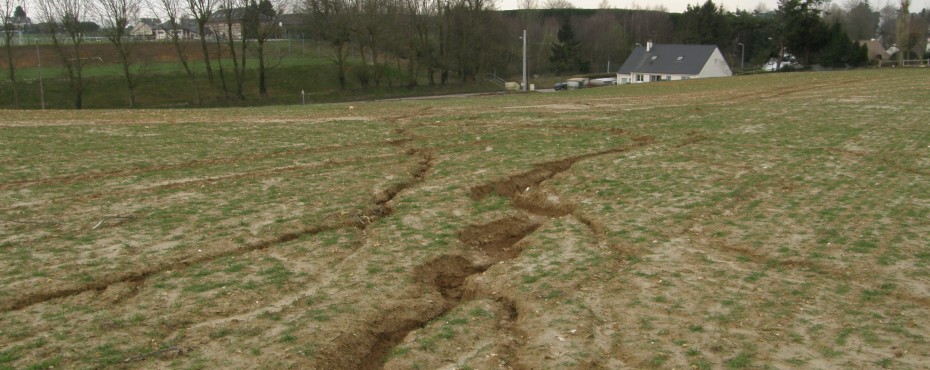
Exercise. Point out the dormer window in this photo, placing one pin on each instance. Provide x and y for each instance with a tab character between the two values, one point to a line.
680	59
654	57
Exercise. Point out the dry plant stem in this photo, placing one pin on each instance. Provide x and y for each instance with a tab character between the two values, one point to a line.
115	217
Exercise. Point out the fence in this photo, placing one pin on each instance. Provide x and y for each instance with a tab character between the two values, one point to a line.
905	63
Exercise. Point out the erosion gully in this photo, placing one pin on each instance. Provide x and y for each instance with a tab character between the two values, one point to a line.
498	240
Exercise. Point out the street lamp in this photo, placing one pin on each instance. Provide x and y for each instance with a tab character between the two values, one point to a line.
742	55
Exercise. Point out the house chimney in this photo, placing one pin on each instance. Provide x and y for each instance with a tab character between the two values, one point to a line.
648	46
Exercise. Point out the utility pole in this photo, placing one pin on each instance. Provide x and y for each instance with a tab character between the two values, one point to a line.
742	55
525	86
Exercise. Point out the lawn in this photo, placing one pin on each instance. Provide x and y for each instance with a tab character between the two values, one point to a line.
768	221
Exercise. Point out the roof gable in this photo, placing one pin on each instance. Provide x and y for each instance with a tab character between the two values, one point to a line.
675	59
235	14
151	22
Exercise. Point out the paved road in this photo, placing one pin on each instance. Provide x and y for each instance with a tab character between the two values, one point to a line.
449	96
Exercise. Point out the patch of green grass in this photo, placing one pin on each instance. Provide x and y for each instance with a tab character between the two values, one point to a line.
9	355
742	360
658	360
796	361
754	276
108	354
872	295
701	364
842	335
399	351
219	333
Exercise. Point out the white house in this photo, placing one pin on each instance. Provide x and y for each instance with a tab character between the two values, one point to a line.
669	62
185	28
145	28
218	23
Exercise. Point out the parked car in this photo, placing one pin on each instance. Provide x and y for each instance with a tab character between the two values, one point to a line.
608	81
559	86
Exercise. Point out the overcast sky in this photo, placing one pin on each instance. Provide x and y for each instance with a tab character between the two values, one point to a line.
679	6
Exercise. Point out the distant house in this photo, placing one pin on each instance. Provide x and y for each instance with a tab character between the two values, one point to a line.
145	28
218	23
292	24
669	62
876	51
186	30
19	22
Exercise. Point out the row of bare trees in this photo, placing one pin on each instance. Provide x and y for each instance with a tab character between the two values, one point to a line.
438	37
66	25
388	42
9	32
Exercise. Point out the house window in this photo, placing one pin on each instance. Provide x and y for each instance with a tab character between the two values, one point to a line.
639	78
655	78
685	78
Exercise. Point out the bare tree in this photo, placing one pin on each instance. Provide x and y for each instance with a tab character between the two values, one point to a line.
331	19
171	9
116	17
9	30
906	36
63	18
603	40
528	4
201	10
443	9
262	23
219	64
861	21
415	28
372	21
559	4
888	16
234	15
469	51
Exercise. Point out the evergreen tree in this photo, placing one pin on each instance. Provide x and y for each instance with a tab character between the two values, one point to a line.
706	24
841	52
805	34
565	52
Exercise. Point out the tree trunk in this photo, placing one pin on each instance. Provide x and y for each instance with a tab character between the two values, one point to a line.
262	88
341	65
219	62
78	83
125	63
240	81
363	73
130	85
206	52
187	68
12	68
237	73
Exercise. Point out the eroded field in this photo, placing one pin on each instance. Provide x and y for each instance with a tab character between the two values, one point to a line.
769	221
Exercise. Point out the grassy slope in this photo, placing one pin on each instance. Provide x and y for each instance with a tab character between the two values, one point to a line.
768	220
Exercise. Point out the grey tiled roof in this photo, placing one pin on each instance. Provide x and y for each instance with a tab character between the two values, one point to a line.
674	59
